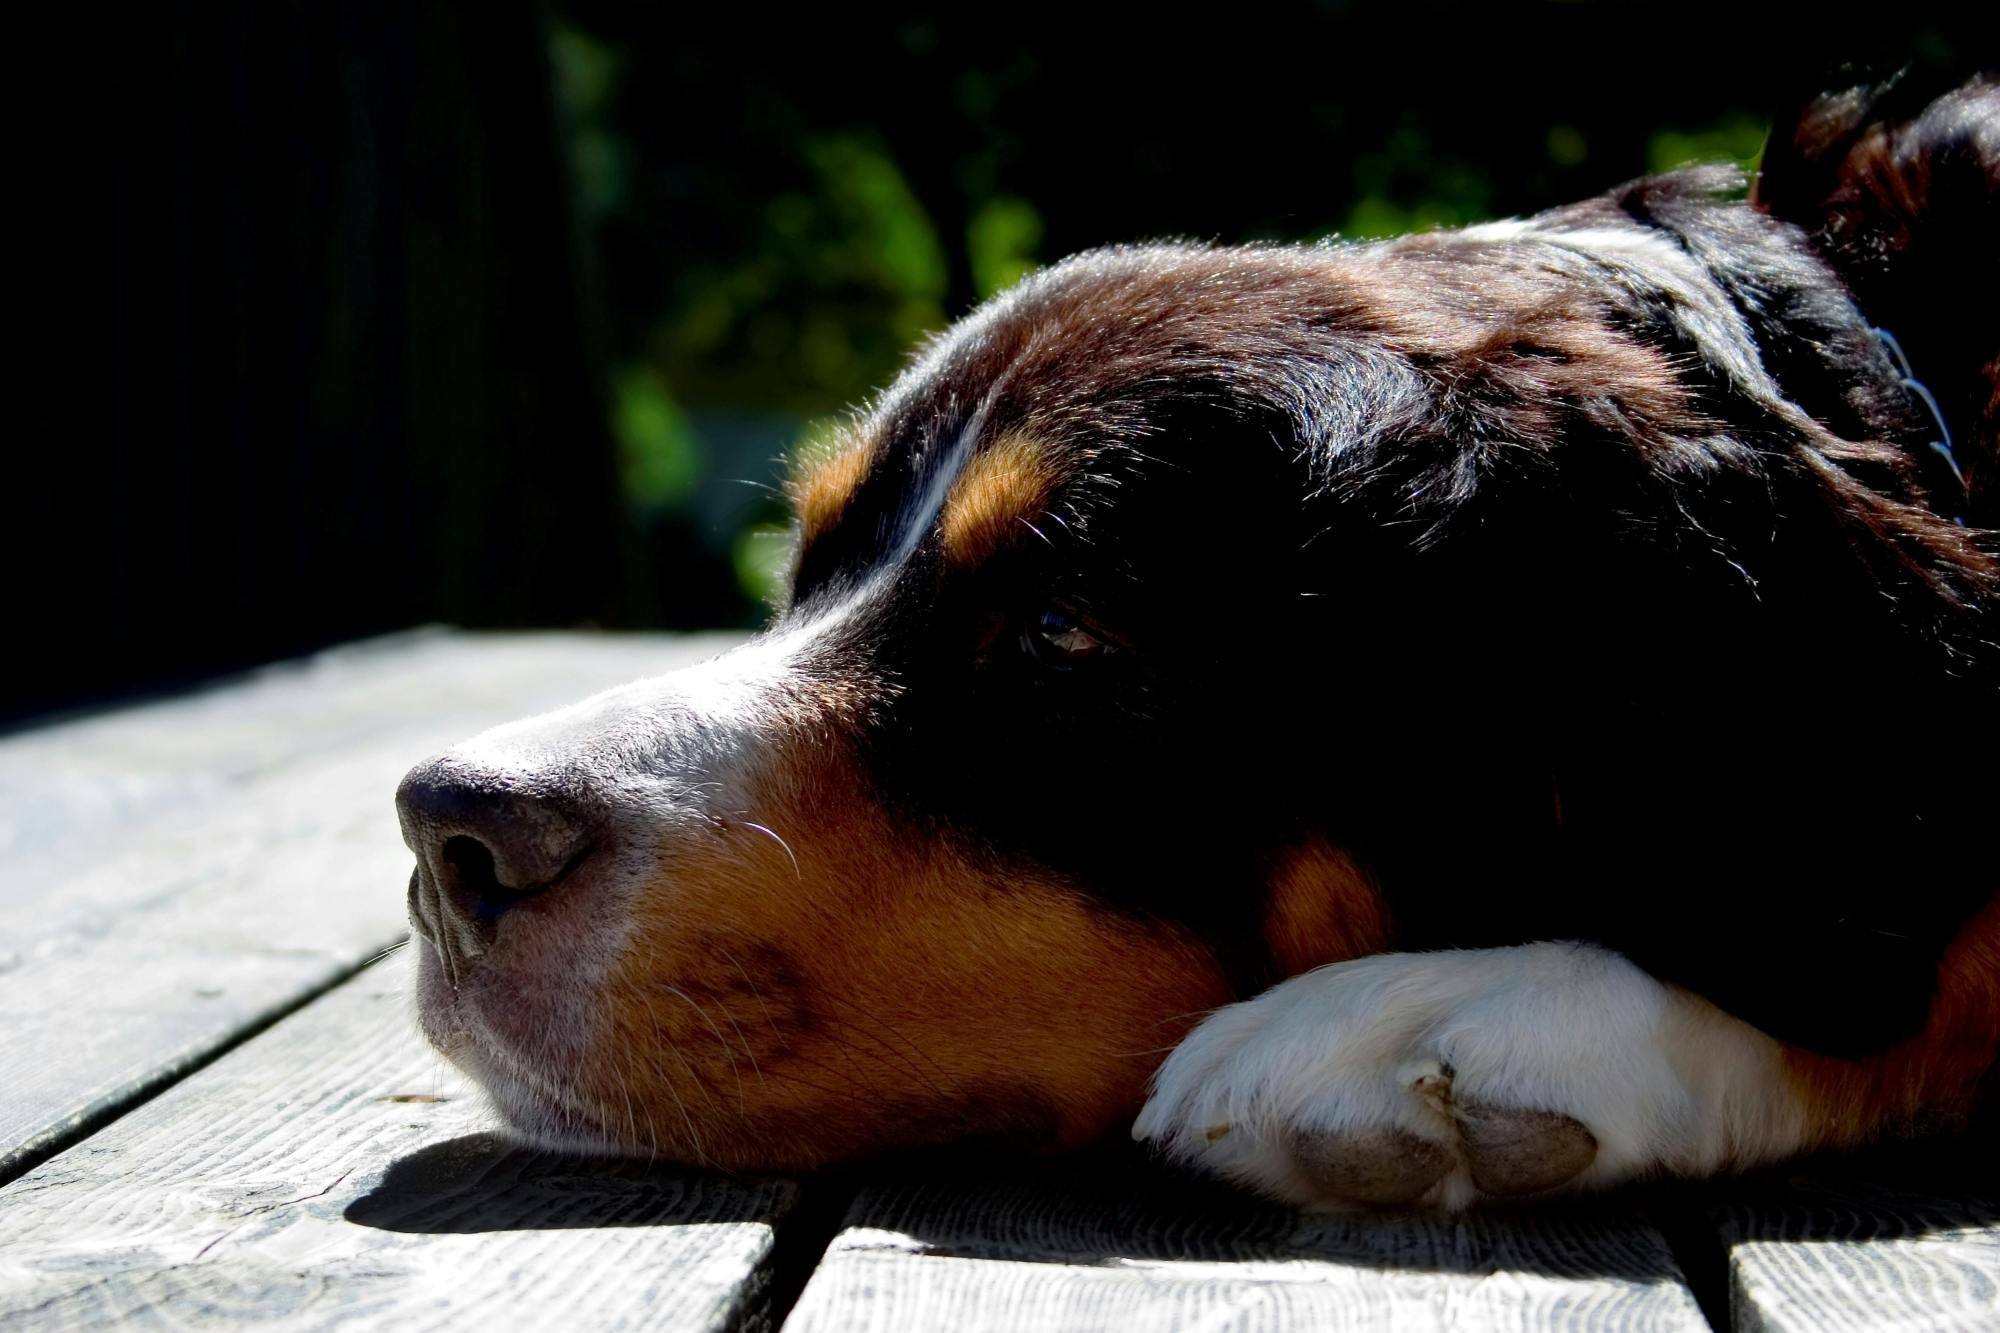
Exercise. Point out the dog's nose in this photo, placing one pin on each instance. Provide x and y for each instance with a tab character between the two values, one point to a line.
485	841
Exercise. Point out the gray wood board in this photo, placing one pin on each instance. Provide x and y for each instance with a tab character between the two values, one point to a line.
331	1173
1113	1244
121	969
110	770
1900	1240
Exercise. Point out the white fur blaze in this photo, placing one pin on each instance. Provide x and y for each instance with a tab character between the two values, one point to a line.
1441	1078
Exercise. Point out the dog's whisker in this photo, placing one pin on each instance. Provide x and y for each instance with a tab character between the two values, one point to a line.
392	950
773	836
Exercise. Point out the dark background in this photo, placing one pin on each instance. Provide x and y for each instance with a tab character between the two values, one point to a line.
347	317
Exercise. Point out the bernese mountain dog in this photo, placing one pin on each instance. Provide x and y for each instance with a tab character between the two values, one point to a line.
1482	714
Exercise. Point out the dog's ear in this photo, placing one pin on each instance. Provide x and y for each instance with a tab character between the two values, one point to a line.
1901	195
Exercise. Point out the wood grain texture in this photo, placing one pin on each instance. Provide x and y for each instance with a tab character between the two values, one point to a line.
111	770
139	949
1109	1245
1828	1248
330	1174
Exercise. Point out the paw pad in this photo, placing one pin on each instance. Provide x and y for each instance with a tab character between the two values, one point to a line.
1512	1152
1380	1167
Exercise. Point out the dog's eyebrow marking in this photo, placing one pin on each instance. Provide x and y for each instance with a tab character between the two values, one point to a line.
824	481
1002	486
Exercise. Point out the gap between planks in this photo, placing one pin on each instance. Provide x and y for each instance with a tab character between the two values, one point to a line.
331	1173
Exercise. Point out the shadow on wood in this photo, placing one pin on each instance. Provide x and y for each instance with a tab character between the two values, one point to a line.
1117	1206
482	1182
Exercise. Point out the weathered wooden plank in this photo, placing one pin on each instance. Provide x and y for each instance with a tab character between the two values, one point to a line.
71	780
183	933
331	1174
1826	1249
1107	1246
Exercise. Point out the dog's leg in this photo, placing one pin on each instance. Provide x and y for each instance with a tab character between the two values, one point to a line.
1442	1078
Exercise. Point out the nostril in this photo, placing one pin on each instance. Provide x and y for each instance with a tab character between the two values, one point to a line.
470	882
474	885
470	858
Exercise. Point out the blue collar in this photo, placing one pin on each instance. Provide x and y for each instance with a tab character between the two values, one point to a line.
1941	446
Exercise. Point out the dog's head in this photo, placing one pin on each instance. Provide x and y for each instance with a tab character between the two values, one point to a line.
1157	615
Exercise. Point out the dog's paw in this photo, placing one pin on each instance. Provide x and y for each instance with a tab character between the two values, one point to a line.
1439	1079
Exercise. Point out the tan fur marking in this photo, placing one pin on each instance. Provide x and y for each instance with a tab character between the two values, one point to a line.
886	990
823	482
1323	909
1936	1072
1002	488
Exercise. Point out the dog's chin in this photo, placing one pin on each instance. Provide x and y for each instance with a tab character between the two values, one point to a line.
538	1103
532	1117
555	1093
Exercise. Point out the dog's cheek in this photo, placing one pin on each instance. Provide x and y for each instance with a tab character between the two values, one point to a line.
863	986
1321	908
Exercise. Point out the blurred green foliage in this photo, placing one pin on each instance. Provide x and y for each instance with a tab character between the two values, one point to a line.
1003	242
660	457
1737	137
777	210
759	555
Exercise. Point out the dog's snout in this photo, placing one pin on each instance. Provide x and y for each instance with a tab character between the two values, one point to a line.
486	841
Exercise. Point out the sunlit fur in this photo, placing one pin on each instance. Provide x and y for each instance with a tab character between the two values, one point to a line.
1663	1080
1004	489
823	482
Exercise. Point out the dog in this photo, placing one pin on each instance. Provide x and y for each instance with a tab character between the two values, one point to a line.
1485	714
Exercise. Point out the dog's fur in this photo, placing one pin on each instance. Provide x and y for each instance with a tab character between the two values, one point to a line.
1552	645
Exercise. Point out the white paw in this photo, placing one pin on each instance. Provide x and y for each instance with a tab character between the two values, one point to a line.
1439	1079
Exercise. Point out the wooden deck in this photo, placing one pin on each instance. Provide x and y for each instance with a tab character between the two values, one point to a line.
214	1109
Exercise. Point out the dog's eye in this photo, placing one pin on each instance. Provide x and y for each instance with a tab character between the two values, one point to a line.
1057	640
